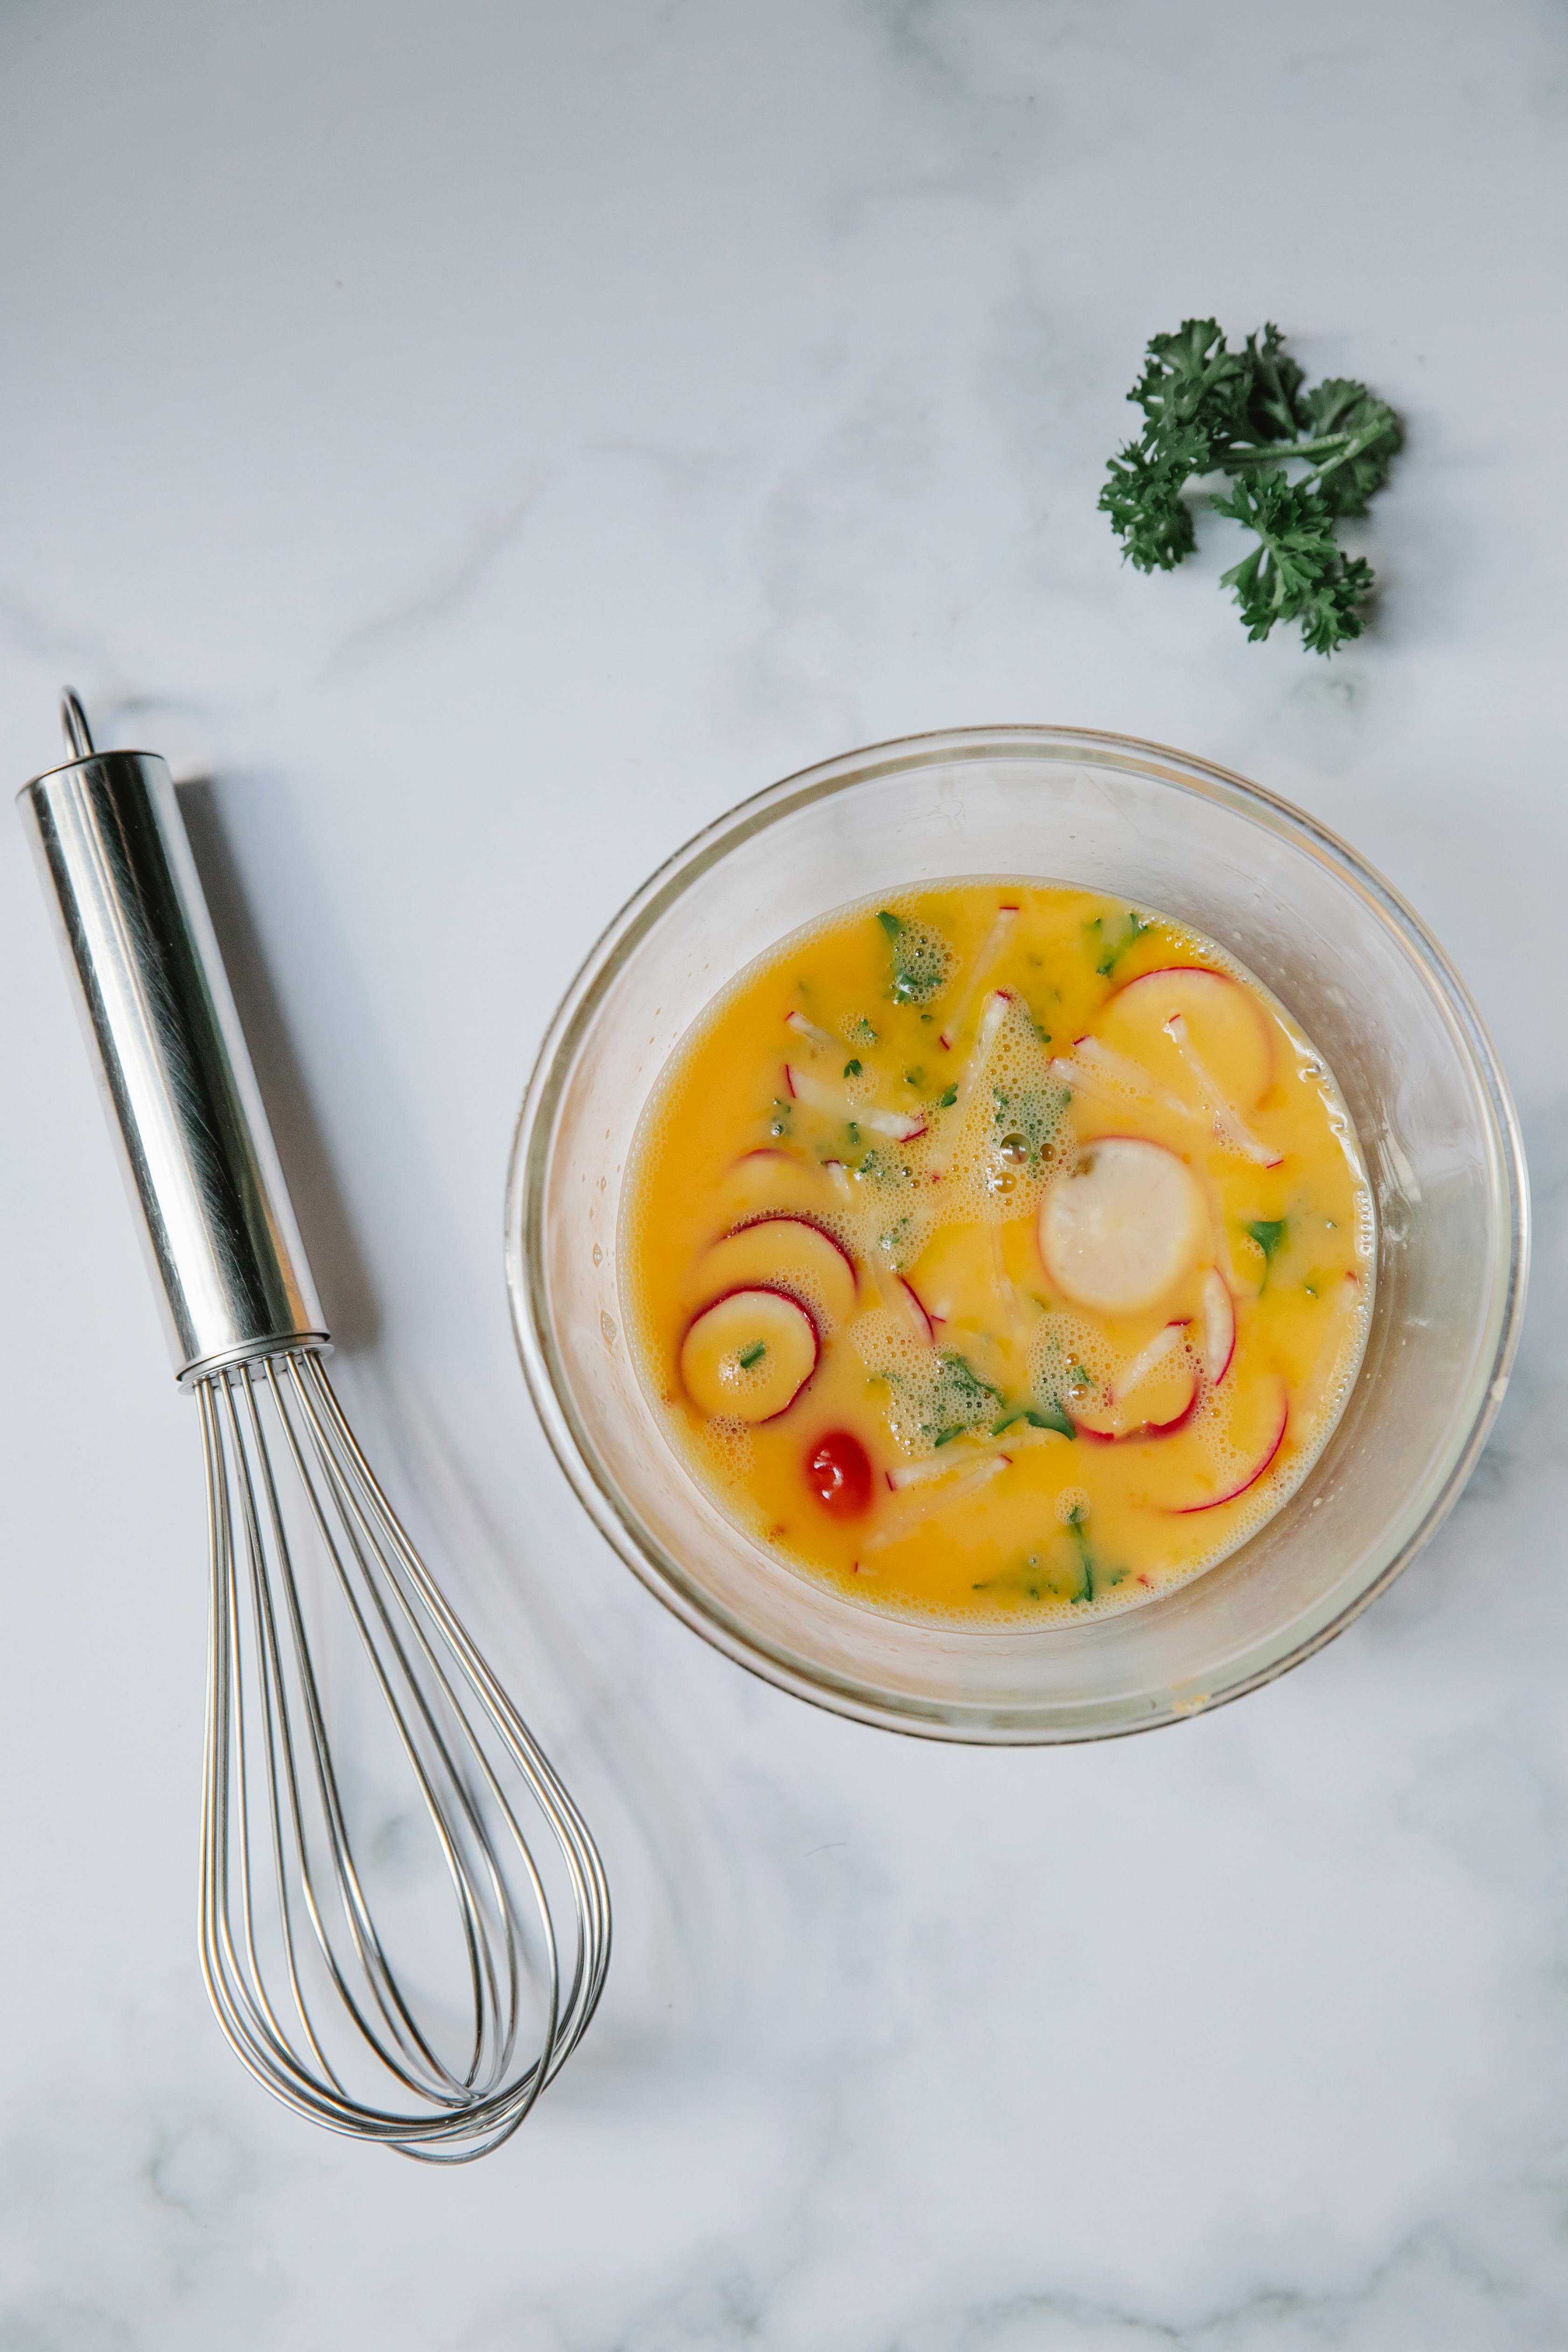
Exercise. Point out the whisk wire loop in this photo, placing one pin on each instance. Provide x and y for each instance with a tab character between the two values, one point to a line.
267	1747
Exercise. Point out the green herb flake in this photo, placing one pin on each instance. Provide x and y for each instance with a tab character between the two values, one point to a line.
753	1355
1033	1417
851	1069
946	1101
1078	1524
1107	953
919	957
1268	1233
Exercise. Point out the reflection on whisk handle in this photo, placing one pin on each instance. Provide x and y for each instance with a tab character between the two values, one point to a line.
177	1077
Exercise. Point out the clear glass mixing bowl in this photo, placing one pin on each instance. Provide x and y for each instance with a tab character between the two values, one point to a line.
1341	950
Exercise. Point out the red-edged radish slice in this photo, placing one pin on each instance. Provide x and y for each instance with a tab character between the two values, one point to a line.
1093	1070
1093	1055
1148	1360
996	1009
748	1356
1229	1121
1080	1080
955	1274
1276	1420
1115	1234
1152	1396
936	1497
810	1031
891	1291
1229	1027
769	1179
921	1474
985	963
822	1094
916	1310
1218	1342
784	1252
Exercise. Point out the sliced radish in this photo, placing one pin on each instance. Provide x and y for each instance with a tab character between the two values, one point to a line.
936	1498
1152	1396
748	1356
809	1031
996	1009
1275	1416
1218	1327
1148	1360
1229	1027
915	1309
769	1179
779	1250
1118	1233
985	963
1080	1080
1096	1071
921	1474
1229	1121
822	1094
1095	1055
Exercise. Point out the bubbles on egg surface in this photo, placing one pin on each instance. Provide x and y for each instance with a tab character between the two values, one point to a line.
732	1445
894	1210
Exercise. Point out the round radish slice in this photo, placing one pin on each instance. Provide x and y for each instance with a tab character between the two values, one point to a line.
1270	1414
776	1183
1229	1028
1218	1327
748	1356
789	1252
1128	1223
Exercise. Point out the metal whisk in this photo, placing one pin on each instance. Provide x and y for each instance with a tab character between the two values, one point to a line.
298	1846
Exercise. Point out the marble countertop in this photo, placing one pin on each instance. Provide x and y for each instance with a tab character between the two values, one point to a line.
487	442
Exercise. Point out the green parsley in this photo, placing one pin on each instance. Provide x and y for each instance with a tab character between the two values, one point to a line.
1052	1418
1250	414
919	959
1269	1233
753	1355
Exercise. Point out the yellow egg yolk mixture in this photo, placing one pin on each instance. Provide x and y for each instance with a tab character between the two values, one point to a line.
998	1251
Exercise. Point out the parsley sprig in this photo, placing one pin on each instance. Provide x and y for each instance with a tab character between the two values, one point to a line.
1251	414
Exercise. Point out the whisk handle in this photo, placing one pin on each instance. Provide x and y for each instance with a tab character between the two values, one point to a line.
178	1082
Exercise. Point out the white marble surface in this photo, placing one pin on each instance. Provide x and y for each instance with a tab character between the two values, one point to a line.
491	439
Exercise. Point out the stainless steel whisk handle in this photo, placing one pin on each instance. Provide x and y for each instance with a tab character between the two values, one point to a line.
178	1083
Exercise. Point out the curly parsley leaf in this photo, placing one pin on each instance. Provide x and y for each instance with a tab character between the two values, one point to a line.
1348	478
1250	414
1297	571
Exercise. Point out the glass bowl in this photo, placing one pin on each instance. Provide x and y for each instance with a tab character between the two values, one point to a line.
1340	949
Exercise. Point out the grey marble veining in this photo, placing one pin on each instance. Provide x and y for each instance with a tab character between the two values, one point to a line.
487	442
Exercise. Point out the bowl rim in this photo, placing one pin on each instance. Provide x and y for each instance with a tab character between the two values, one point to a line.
697	855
